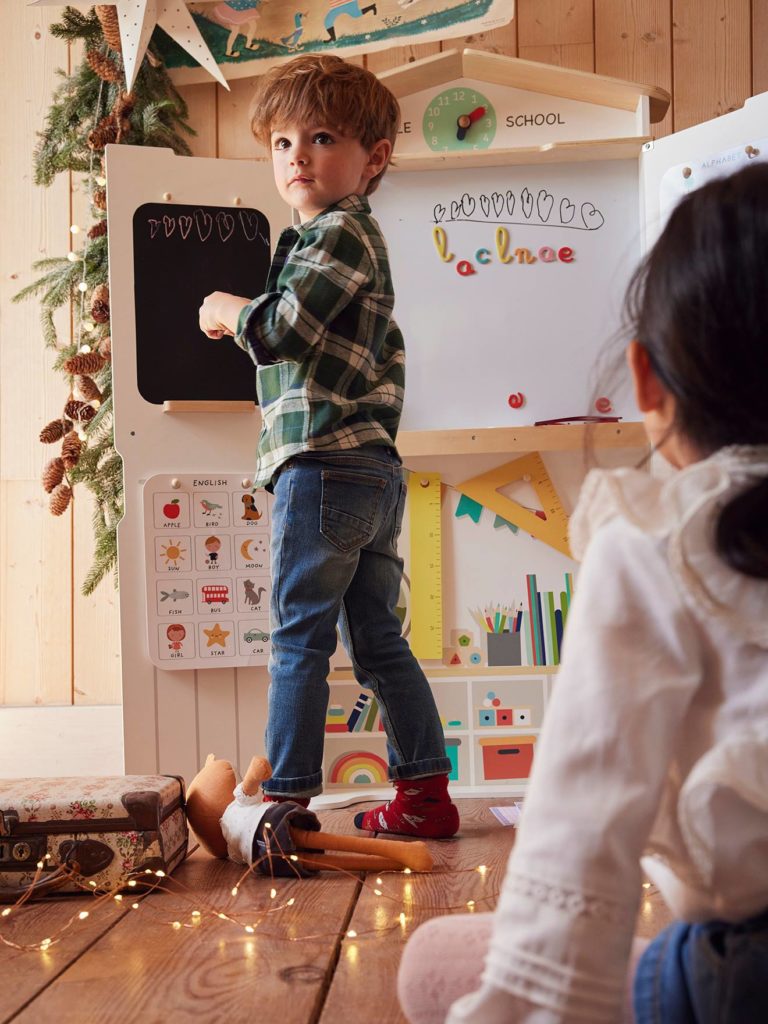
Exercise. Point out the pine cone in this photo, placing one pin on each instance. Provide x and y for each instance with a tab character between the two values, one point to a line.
71	447
60	499
104	66
100	304
104	133
110	25
55	430
99	198
80	411
98	229
84	362
88	388
105	347
53	474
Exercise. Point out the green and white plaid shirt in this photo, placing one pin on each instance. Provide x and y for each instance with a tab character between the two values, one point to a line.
330	358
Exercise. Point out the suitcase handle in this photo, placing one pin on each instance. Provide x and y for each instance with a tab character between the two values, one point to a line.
78	857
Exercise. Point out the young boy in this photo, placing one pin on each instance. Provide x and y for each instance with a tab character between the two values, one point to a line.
330	383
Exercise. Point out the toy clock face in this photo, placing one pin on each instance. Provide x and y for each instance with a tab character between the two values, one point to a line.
459	118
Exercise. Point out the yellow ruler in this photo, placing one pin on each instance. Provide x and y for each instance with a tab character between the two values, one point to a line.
426	637
530	468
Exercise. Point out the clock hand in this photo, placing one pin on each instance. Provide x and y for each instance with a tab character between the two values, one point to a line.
465	121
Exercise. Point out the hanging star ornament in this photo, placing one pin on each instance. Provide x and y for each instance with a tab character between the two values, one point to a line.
137	20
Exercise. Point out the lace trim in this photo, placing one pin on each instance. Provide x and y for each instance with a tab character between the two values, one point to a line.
573	901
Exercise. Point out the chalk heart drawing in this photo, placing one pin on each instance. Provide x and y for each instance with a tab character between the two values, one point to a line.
204	223
153	226
455	210
185	225
544	202
250	224
485	206
169	223
592	217
510	199
526	201
567	211
498	203
225	222
438	212
467	204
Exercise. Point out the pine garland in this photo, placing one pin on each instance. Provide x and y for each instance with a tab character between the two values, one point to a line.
90	108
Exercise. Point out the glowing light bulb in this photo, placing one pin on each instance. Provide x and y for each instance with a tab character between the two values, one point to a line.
234	891
176	925
291	901
83	914
82	287
74	229
351	934
72	257
250	929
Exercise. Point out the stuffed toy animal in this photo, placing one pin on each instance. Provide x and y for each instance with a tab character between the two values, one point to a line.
234	821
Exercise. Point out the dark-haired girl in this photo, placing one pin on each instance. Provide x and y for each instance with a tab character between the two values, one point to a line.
654	754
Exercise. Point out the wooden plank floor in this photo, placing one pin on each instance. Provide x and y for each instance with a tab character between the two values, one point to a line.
298	967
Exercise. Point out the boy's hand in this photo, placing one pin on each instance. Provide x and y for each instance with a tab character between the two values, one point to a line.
219	314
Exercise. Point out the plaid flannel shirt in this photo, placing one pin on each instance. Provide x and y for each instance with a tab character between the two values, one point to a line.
330	358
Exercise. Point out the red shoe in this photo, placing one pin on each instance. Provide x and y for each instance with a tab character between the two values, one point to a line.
422	807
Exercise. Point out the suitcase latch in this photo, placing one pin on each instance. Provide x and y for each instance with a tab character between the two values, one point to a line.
8	820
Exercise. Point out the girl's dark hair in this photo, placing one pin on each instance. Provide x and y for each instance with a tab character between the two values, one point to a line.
699	305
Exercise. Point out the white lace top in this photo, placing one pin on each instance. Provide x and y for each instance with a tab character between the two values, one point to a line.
656	741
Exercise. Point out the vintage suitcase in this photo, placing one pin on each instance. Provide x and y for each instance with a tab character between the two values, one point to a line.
107	829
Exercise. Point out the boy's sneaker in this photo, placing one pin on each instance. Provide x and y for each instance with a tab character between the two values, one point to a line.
422	807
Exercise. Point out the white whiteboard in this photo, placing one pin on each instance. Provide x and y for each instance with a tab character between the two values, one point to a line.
536	329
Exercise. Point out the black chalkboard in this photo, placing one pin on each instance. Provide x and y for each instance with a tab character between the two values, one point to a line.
182	254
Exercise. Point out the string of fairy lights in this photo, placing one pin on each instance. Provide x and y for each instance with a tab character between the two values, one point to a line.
84	323
132	894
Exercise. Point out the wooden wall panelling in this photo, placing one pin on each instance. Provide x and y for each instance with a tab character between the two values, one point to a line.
633	40
176	722
557	32
35	547
217	714
95	619
251	696
759	46
711	57
96	677
202	101
384	59
235	140
499	40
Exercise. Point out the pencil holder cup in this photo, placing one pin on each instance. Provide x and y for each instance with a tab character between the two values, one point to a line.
504	649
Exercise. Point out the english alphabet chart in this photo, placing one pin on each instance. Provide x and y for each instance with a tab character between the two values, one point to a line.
207	571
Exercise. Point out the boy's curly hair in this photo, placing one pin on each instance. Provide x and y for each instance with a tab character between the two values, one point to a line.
325	89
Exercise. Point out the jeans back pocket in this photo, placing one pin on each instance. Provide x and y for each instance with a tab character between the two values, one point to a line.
349	508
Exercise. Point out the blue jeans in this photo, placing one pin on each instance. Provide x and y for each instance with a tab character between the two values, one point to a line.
712	973
335	524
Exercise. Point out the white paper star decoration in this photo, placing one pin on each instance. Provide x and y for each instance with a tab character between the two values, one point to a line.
137	22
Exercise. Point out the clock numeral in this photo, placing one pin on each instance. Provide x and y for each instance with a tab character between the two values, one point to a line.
433	112
459	94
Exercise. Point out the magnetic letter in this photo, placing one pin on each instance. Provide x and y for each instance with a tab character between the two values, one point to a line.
440	239
565	255
547	254
483	256
465	268
502	243
524	256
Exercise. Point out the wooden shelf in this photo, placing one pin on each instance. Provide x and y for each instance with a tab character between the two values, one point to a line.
498	440
345	675
548	153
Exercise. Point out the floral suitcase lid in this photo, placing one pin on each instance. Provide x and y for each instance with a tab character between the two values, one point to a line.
117	801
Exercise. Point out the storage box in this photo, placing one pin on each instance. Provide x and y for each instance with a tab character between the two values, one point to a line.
507	757
452	744
504	649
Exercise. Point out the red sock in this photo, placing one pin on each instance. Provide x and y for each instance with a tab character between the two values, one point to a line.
303	801
422	807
